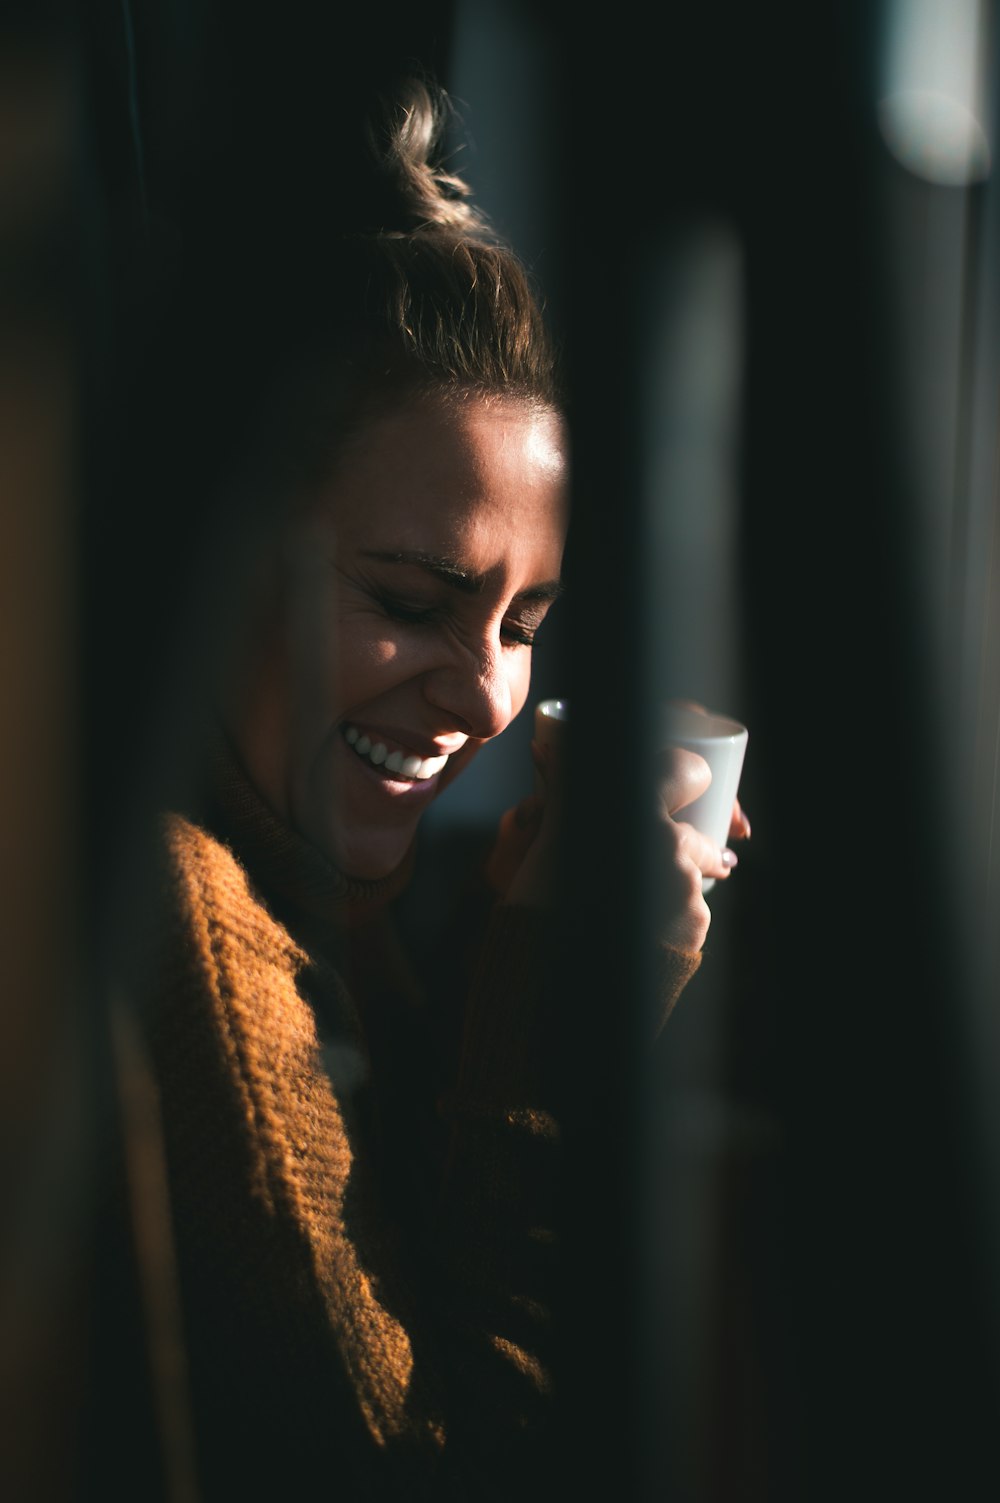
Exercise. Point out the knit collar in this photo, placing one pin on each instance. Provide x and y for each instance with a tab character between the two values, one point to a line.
281	860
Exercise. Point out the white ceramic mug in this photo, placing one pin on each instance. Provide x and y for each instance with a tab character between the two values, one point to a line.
722	741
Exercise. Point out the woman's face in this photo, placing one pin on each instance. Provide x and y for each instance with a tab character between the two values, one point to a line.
399	621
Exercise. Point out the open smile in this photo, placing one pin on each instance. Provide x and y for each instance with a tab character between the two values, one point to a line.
393	761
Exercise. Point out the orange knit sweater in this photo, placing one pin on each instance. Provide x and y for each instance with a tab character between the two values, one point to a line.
361	1182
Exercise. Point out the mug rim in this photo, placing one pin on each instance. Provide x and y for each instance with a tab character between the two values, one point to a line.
699	725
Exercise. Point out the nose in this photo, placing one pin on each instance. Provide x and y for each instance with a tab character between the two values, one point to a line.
474	689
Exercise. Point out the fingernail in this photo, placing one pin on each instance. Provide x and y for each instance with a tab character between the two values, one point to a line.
730	859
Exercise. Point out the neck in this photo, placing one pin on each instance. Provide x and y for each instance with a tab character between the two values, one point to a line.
284	861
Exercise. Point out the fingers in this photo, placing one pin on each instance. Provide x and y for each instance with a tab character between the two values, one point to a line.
548	762
527	816
710	859
540	757
524	862
516	832
683	777
523	865
739	826
688	858
683	914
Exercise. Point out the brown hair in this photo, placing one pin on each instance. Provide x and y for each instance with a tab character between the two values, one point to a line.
445	297
427	299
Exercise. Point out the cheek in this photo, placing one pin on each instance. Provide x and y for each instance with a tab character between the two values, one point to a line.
369	660
368	648
519	680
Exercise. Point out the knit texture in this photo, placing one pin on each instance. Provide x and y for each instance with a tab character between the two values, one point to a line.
363	1205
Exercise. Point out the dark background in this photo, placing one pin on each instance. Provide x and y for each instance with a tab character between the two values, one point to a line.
781	1242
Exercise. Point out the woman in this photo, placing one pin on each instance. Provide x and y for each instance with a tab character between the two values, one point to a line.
361	1160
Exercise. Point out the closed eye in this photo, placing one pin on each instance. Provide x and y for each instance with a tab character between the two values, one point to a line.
521	630
512	633
517	636
400	610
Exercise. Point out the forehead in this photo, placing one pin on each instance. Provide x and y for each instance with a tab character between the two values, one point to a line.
452	465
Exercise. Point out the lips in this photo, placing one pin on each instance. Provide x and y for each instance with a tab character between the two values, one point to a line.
403	765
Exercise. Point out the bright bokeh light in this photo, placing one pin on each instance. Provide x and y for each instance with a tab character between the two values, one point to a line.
933	109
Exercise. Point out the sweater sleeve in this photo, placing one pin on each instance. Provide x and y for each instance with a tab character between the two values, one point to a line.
674	969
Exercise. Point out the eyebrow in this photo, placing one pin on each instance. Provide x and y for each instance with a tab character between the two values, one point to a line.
452	573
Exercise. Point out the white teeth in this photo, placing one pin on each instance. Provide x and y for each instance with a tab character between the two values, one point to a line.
408	765
430	767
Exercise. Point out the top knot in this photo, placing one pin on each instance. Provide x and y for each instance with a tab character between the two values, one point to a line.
406	136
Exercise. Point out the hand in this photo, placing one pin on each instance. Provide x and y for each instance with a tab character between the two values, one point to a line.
523	865
686	855
515	835
739	827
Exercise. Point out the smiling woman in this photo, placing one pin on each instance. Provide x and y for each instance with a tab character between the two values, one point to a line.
360	1149
428	562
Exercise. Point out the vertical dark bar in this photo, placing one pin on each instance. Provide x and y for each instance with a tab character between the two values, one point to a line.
883	1288
44	1048
604	970
856	1343
604	942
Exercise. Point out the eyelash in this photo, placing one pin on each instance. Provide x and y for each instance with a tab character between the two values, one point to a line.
517	636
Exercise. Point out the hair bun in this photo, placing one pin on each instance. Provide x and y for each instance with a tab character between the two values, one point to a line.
406	135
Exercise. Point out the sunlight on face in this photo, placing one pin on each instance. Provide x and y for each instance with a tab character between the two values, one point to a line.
398	637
